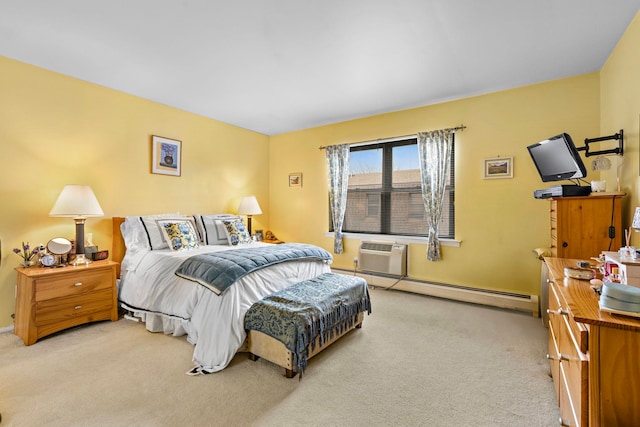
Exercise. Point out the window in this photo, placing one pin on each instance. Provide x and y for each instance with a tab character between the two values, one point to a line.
384	194
373	205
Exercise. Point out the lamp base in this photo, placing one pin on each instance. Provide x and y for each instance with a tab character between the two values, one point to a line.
80	259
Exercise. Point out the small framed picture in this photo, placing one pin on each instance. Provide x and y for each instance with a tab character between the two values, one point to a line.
498	167
259	235
166	156
295	179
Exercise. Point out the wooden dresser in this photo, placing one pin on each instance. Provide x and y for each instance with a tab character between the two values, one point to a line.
580	225
49	300
594	356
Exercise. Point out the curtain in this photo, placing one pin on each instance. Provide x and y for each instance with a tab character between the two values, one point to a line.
338	167
434	149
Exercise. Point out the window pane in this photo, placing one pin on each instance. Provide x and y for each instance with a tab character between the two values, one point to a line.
406	167
365	185
365	169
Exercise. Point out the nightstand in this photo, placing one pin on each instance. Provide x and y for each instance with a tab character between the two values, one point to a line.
273	242
49	300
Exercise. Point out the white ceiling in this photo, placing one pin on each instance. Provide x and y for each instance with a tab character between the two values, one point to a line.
274	66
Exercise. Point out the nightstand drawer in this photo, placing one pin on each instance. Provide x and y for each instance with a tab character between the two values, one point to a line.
63	309
72	284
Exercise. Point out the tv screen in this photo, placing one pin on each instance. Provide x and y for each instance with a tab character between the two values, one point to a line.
557	159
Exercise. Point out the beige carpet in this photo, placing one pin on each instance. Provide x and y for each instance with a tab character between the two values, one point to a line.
417	361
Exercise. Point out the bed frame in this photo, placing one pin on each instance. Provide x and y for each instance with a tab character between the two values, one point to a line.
117	242
262	345
257	344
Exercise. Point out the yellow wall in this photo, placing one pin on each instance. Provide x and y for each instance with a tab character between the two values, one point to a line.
56	130
620	109
498	221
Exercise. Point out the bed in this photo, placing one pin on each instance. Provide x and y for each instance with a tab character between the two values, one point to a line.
149	290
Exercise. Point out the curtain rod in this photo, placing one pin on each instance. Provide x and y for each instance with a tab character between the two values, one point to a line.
461	127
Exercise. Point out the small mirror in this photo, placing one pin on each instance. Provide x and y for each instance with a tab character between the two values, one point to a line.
59	246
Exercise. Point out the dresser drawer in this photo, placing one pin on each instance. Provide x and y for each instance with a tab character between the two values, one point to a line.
575	368
568	414
67	308
554	362
71	284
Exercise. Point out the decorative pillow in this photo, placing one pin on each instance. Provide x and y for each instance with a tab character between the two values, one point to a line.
212	230
155	233
180	235
237	233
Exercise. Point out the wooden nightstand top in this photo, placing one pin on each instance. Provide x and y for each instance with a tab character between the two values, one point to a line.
43	271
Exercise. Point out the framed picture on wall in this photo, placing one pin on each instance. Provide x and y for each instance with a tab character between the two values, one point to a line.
498	167
295	179
166	156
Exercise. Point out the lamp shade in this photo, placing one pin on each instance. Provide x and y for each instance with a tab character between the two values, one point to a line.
249	206
76	201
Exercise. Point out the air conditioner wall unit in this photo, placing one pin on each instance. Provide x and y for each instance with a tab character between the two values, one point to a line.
383	257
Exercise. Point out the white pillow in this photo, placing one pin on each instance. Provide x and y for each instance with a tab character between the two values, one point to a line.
237	233
134	234
211	228
155	234
179	235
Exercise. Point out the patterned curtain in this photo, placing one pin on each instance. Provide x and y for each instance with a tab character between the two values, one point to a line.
434	149
338	166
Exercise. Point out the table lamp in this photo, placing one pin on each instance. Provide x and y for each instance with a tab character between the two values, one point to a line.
77	202
249	206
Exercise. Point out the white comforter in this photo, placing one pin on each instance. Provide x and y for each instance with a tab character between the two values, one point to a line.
215	324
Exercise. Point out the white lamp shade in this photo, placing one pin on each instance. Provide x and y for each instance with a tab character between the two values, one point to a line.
76	201
249	206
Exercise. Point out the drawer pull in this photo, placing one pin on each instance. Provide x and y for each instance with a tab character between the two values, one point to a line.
558	311
77	284
563	357
77	307
563	422
550	357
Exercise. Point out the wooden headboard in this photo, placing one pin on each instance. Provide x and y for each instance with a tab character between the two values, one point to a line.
117	243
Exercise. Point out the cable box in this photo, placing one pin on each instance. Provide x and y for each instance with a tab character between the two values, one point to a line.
565	190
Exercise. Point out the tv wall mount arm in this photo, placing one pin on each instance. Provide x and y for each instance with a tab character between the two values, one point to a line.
618	150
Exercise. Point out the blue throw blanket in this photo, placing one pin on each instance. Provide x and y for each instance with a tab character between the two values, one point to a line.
219	270
319	307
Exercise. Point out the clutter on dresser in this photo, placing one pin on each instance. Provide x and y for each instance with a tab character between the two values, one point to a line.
56	253
620	298
619	267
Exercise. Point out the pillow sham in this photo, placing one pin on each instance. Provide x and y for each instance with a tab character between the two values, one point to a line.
179	235
155	234
237	233
212	230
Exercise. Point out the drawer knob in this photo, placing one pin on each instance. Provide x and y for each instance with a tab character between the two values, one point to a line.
550	357
77	284
77	307
563	422
563	312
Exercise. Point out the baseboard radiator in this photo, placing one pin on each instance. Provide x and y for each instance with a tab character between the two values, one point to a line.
508	300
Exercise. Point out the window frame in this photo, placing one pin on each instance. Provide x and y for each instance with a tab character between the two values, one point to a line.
387	190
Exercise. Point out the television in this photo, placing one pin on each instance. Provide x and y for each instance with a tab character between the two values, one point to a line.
557	159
